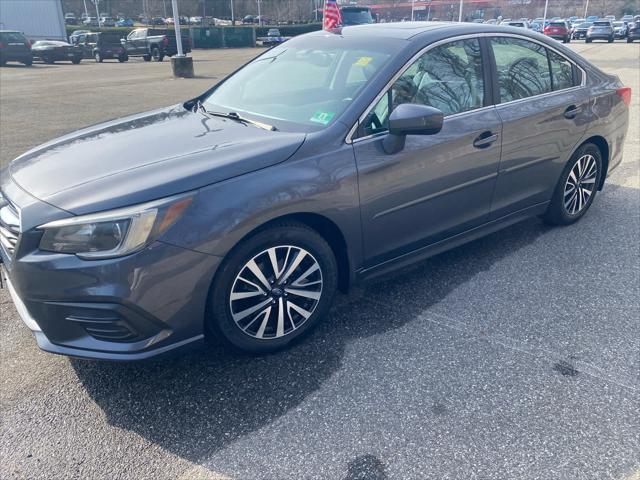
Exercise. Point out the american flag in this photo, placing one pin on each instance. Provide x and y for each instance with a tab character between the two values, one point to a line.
331	17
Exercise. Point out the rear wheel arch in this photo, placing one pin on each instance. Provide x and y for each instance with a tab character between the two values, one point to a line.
603	146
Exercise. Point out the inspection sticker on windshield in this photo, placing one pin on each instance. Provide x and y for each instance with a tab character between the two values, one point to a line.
322	117
362	61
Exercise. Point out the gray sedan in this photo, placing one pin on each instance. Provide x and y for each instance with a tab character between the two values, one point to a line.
331	159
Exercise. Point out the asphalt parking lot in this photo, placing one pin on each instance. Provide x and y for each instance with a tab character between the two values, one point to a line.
516	356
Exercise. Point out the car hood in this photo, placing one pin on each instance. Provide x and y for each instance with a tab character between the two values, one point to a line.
144	157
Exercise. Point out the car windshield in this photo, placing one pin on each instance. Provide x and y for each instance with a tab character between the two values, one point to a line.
601	24
12	37
300	85
584	25
618	24
558	24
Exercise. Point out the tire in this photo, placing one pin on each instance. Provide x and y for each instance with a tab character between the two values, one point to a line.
28	62
568	39
76	61
97	57
264	332
563	210
49	61
587	40
610	40
156	55
123	58
629	40
146	58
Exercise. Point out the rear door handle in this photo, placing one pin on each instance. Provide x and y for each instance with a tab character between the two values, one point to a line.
485	139
571	112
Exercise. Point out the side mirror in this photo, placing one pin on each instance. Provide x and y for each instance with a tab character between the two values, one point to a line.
411	119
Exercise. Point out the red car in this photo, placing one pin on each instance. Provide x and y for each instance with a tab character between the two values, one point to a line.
559	31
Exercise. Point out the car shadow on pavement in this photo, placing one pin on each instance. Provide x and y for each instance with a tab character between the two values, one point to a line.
196	404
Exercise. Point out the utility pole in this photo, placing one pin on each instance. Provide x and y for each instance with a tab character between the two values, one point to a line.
96	2
233	18
259	15
181	65
413	4
460	14
86	12
544	17
586	7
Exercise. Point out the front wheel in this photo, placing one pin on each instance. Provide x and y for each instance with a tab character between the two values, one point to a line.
610	39
76	61
629	40
577	186
98	58
587	40
146	58
273	288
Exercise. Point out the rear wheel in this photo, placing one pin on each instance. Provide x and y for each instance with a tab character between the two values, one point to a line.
156	55
587	40
273	288
28	62
629	40
98	58
610	39
146	57
123	58
577	186
48	60
76	60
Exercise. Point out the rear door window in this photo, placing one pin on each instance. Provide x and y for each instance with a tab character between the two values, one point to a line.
523	68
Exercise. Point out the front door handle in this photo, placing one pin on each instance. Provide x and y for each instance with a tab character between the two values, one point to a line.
485	139
571	112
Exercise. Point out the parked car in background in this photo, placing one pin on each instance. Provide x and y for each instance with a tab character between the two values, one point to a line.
198	20
611	18
634	30
91	22
620	29
157	21
627	18
70	19
102	46
516	23
355	15
274	37
558	30
73	38
51	51
151	43
240	212
600	30
580	31
592	18
536	26
248	19
125	22
107	22
15	47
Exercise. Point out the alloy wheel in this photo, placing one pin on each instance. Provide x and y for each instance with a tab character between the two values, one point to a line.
276	292
580	184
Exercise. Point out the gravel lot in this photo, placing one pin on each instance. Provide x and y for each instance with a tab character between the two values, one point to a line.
514	357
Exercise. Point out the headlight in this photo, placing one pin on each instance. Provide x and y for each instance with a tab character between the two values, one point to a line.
114	233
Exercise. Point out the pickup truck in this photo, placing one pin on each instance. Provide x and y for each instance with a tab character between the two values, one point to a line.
153	43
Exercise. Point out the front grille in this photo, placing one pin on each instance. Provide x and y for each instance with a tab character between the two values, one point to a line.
9	227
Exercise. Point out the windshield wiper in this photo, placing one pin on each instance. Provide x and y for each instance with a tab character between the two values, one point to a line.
234	116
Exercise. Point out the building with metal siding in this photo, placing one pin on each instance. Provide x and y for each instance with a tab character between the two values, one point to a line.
37	19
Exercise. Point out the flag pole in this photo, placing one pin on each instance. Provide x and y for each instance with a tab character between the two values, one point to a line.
460	14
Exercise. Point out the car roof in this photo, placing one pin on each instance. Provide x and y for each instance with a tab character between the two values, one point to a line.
409	30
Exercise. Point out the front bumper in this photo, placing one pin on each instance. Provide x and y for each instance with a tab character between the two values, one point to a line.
129	308
600	36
